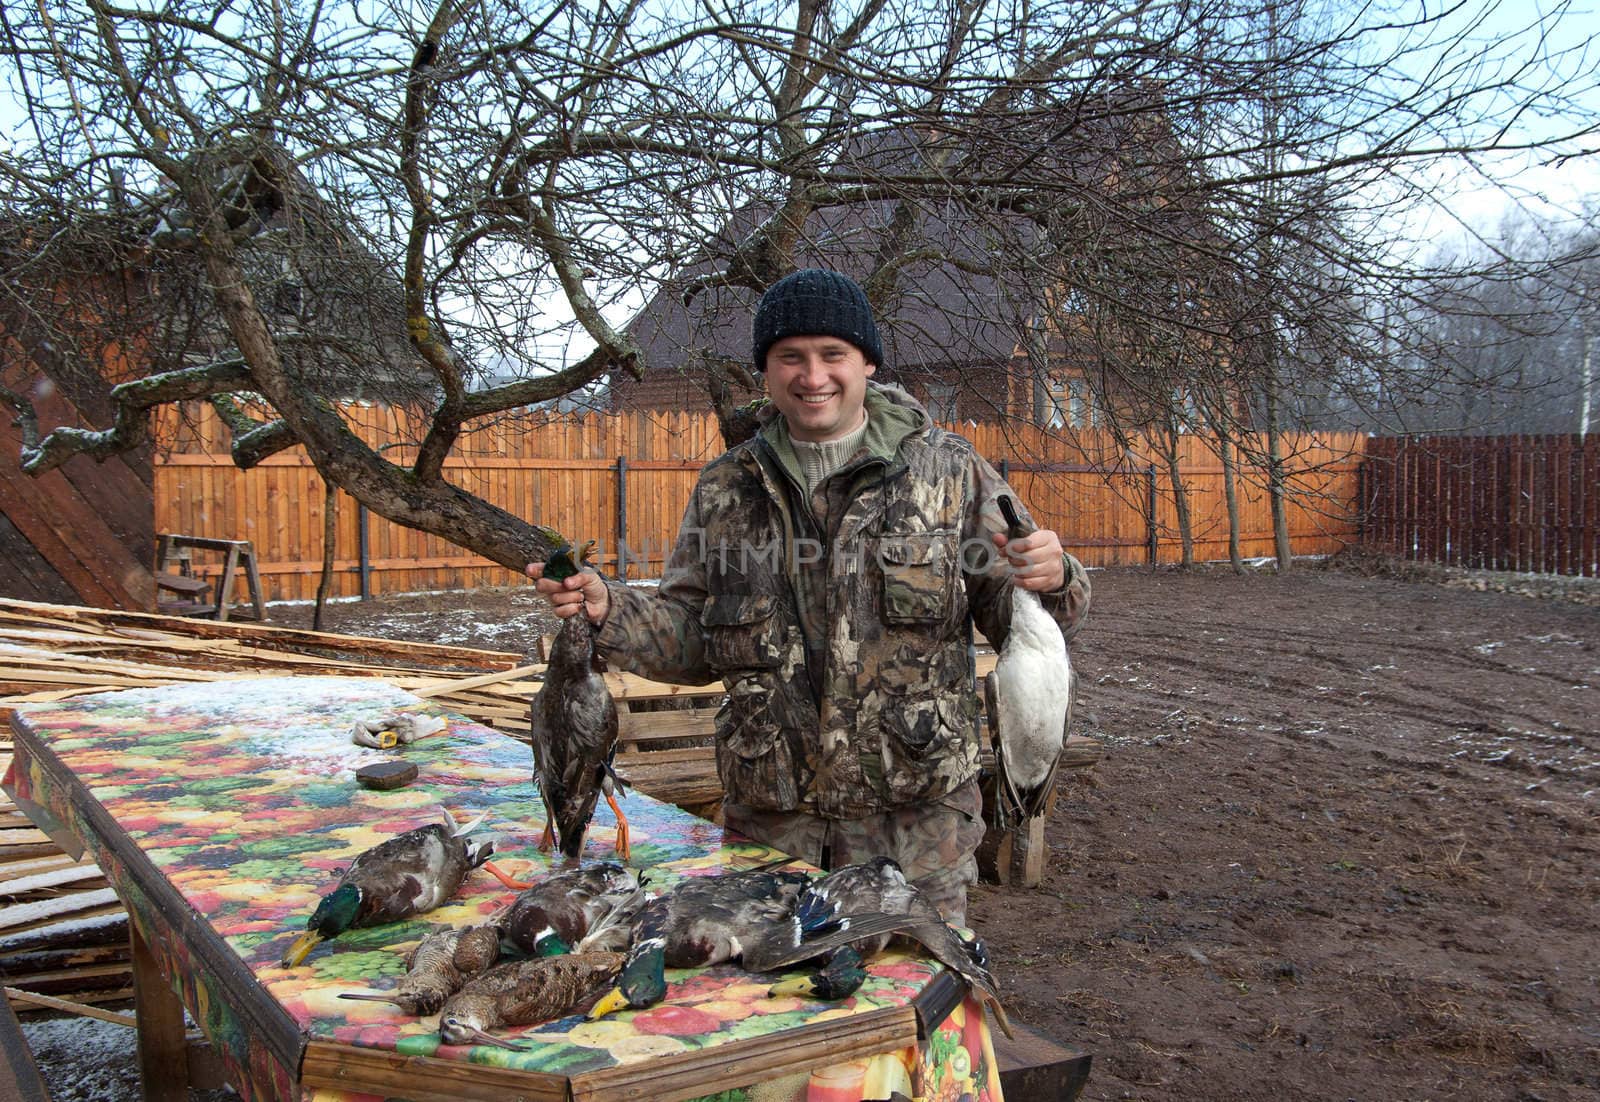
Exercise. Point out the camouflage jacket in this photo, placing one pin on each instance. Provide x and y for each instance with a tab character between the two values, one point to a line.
841	640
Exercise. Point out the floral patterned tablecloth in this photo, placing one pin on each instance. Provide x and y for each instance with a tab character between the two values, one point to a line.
242	795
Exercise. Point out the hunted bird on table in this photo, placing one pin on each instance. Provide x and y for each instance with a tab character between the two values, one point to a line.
442	962
524	992
574	732
410	874
1029	698
556	913
714	919
880	887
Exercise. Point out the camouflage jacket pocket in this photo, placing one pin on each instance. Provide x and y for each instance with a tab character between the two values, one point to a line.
754	759
919	573
926	742
741	632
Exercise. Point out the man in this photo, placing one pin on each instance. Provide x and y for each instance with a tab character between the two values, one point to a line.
825	570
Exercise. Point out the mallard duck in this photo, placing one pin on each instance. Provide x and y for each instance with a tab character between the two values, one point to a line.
1028	698
522	993
880	887
574	732
841	974
410	874
553	915
445	959
700	921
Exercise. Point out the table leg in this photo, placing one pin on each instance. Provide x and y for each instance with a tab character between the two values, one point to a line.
163	1056
253	577
225	586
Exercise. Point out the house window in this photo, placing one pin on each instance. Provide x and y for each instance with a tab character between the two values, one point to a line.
942	401
1071	404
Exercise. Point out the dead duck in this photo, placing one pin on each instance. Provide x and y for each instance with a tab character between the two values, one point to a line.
556	913
407	875
440	964
850	894
574	734
1029	698
842	973
524	993
700	921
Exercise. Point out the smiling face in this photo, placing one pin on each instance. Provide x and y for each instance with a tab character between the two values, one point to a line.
819	385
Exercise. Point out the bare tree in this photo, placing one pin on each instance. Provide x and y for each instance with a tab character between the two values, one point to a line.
313	199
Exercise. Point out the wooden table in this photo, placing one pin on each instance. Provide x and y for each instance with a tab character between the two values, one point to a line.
221	812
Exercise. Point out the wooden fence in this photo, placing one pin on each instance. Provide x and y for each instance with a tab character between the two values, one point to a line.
1523	503
623	479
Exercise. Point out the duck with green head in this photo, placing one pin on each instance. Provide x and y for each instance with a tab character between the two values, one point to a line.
559	911
845	897
702	921
407	875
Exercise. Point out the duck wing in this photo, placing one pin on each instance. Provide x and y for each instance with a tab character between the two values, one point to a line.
613	931
710	919
860	905
590	717
412	873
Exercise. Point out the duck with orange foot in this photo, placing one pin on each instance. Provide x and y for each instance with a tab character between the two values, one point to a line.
574	731
558	912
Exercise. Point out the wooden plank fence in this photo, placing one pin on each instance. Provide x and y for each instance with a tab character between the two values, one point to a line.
1520	503
623	479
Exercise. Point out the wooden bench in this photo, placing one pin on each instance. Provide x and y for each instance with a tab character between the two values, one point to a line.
174	573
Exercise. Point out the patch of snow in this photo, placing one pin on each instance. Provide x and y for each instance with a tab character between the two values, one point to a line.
323	744
88	1060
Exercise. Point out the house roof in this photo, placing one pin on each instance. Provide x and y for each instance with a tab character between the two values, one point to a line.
968	303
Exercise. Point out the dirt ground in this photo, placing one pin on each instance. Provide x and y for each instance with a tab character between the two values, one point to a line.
1343	843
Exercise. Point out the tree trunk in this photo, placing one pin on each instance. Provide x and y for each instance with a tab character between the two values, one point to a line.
1586	388
1230	491
1275	479
330	531
1171	438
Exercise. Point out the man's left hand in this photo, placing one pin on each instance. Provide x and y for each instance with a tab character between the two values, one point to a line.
1036	562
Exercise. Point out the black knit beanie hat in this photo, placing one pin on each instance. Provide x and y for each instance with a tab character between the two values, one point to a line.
814	302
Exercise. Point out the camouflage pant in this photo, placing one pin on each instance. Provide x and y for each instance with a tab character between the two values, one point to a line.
934	843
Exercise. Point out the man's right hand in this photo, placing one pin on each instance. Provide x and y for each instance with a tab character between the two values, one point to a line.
584	591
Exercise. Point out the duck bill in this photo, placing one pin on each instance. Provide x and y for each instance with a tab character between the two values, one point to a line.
479	1037
301	948
609	1003
802	987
